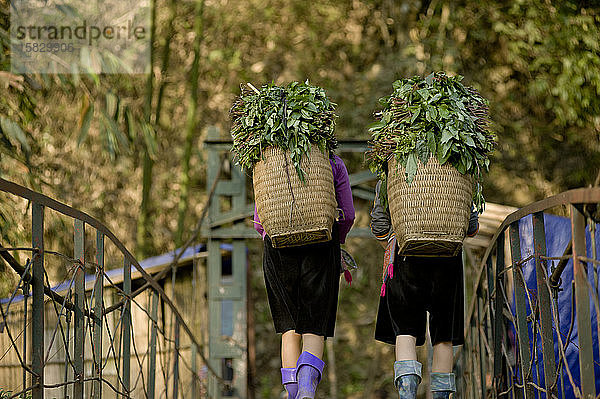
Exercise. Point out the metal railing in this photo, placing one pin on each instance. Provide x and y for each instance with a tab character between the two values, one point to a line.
515	345
69	344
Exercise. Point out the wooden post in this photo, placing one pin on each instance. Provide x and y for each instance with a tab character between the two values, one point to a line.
227	295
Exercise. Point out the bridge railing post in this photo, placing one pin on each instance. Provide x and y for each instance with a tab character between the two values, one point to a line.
547	338
37	326
521	311
80	324
25	323
498	309
582	298
98	315
126	329
176	360
152	344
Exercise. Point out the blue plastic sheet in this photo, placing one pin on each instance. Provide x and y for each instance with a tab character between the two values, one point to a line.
558	235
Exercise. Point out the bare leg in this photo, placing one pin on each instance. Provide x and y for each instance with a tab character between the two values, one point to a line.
443	357
290	348
443	382
314	344
406	347
310	365
407	370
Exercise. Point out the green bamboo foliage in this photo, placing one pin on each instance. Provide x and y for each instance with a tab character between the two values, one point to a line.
433	116
144	225
191	126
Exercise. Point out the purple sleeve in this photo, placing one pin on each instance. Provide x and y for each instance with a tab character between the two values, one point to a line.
258	225
343	195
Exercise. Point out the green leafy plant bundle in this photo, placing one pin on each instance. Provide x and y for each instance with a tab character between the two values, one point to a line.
291	118
433	116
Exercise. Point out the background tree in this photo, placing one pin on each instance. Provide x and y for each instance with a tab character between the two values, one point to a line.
92	140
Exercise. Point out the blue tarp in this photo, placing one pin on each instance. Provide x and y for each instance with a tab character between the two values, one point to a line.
558	235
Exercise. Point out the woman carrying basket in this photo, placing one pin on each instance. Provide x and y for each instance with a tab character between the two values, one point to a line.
302	286
413	286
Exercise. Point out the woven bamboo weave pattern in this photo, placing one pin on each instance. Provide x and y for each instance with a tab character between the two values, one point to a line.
431	215
299	216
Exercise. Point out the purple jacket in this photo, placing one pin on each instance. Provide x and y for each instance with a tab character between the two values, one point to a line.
343	195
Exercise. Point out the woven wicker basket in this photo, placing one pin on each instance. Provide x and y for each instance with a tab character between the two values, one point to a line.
431	215
293	213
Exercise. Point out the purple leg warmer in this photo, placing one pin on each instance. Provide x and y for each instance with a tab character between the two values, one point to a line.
308	374
288	379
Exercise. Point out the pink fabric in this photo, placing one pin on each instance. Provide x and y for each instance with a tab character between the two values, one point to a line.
343	195
348	277
258	225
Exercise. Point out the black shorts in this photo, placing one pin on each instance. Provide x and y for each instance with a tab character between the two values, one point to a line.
302	285
420	285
